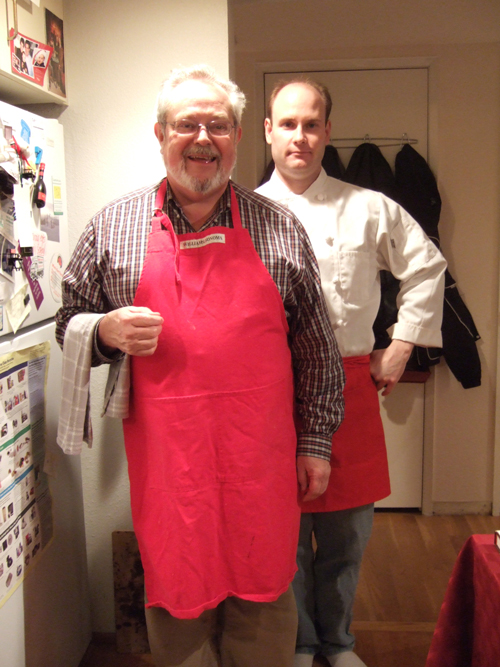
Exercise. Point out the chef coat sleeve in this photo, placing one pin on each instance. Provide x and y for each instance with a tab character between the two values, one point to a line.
405	250
318	369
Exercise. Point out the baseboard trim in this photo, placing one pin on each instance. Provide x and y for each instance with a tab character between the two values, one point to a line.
475	507
392	626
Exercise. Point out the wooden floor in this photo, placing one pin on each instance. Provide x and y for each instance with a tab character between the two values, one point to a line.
403	579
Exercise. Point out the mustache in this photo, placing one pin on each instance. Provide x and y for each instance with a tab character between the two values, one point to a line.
201	151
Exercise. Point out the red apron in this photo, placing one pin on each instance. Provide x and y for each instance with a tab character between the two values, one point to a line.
210	439
360	472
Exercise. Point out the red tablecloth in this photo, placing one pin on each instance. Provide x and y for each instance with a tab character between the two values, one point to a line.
468	629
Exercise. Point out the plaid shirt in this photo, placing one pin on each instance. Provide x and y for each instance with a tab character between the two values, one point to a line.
105	268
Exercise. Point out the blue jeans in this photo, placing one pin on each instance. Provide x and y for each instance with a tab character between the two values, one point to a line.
326	581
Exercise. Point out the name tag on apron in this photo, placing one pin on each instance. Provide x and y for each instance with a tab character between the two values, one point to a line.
199	243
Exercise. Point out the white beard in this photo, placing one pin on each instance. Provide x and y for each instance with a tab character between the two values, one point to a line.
195	184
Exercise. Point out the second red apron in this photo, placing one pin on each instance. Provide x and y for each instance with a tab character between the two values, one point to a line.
210	439
360	472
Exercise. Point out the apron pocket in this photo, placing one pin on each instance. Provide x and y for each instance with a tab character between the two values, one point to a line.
196	442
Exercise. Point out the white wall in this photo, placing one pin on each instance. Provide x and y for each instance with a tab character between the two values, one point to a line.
461	41
117	53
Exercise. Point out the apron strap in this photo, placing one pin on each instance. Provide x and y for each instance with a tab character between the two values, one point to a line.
235	210
158	209
161	219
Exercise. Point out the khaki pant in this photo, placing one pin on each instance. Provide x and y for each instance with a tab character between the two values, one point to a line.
237	633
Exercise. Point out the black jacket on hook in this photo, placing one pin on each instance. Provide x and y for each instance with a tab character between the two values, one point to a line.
414	187
419	195
417	190
368	168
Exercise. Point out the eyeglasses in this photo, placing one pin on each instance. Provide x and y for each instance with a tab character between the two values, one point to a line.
215	128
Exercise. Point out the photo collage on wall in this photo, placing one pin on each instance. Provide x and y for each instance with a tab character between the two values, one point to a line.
31	58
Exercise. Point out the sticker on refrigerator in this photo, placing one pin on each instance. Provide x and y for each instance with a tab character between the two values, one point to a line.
38	258
7	267
57	195
35	287
56	275
18	308
50	225
7	217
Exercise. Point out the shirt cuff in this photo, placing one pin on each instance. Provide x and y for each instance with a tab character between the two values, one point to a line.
311	444
98	357
412	333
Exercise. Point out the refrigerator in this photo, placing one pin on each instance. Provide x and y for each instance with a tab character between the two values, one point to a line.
44	598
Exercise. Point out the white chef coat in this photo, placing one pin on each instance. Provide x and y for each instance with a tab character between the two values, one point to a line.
355	233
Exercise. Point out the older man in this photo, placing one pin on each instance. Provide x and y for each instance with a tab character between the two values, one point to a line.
355	233
214	293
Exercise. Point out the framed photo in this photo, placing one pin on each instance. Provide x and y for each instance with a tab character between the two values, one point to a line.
55	39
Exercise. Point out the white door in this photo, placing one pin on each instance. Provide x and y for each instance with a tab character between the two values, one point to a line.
384	104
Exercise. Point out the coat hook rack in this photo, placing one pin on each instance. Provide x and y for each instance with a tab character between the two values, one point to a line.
404	139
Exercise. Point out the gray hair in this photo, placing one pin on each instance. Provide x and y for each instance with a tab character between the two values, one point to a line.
198	73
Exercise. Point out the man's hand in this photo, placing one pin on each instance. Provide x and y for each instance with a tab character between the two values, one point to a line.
133	330
387	366
313	475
